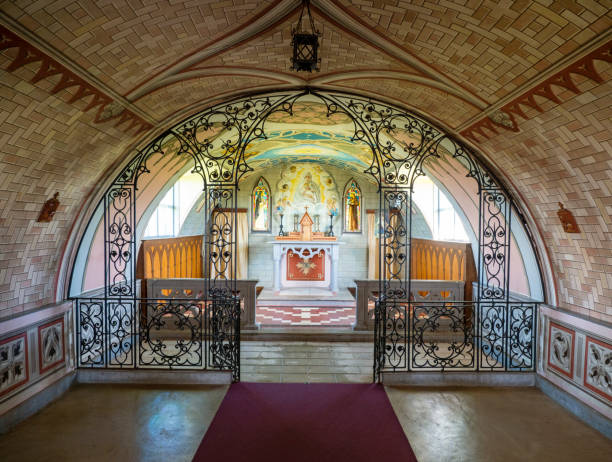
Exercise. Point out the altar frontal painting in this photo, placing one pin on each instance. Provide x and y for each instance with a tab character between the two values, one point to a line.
307	186
302	269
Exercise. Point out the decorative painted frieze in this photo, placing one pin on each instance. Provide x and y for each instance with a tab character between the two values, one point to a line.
51	344
598	367
48	68
13	362
561	349
506	117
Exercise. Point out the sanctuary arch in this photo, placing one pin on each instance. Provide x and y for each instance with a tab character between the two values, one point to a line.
199	328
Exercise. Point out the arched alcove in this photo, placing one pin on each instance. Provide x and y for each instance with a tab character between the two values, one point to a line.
390	147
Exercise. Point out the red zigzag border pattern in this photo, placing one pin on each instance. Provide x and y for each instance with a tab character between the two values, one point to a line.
28	54
583	66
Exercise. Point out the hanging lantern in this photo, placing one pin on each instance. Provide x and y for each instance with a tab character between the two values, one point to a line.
305	44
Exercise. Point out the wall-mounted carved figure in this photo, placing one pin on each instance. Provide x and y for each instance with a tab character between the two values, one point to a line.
567	220
49	209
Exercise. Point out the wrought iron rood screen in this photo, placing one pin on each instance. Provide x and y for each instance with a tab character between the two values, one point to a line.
159	334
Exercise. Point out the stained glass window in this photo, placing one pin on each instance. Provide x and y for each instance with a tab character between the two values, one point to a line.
352	208
260	206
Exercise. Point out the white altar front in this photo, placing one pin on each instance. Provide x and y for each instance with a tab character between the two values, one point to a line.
306	250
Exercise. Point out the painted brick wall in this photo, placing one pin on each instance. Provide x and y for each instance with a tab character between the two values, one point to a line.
565	155
46	145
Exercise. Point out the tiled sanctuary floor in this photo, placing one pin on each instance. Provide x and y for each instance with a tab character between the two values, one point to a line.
305	315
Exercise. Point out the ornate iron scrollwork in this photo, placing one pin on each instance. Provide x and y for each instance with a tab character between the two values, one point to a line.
394	243
119	241
120	332
482	335
90	342
171	334
443	336
494	244
225	334
521	332
492	330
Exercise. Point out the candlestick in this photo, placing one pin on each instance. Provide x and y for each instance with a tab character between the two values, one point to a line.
331	224
281	232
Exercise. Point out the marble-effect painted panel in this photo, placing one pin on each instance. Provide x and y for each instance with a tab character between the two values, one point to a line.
51	344
598	367
13	362
561	349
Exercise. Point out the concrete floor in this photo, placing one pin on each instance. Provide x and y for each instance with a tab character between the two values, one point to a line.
494	425
115	423
146	423
137	423
306	362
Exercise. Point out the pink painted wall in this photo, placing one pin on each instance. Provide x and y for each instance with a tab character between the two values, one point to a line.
150	184
448	171
452	174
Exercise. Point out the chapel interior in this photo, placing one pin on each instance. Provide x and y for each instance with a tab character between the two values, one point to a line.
296	230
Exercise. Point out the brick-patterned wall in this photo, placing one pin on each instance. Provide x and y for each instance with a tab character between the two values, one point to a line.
46	145
565	155
124	43
490	47
433	103
562	154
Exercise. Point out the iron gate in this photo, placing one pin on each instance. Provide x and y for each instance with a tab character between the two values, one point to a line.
122	328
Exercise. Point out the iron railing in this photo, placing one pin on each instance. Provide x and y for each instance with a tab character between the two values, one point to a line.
445	336
138	333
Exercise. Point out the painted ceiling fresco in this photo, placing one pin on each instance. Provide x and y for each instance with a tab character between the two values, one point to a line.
308	145
310	134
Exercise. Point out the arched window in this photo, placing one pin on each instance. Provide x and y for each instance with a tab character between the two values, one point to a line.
260	206
352	207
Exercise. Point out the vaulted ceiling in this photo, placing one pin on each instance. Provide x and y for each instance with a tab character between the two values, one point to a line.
454	62
85	82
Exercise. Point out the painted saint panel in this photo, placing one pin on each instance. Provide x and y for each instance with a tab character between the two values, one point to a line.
306	187
352	208
260	206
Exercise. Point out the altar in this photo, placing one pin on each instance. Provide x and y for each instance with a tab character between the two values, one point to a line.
305	259
299	264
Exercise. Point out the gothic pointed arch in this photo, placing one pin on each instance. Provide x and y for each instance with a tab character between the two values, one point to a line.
352	207
261	200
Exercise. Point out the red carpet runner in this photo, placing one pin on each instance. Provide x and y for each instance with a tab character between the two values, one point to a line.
296	422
